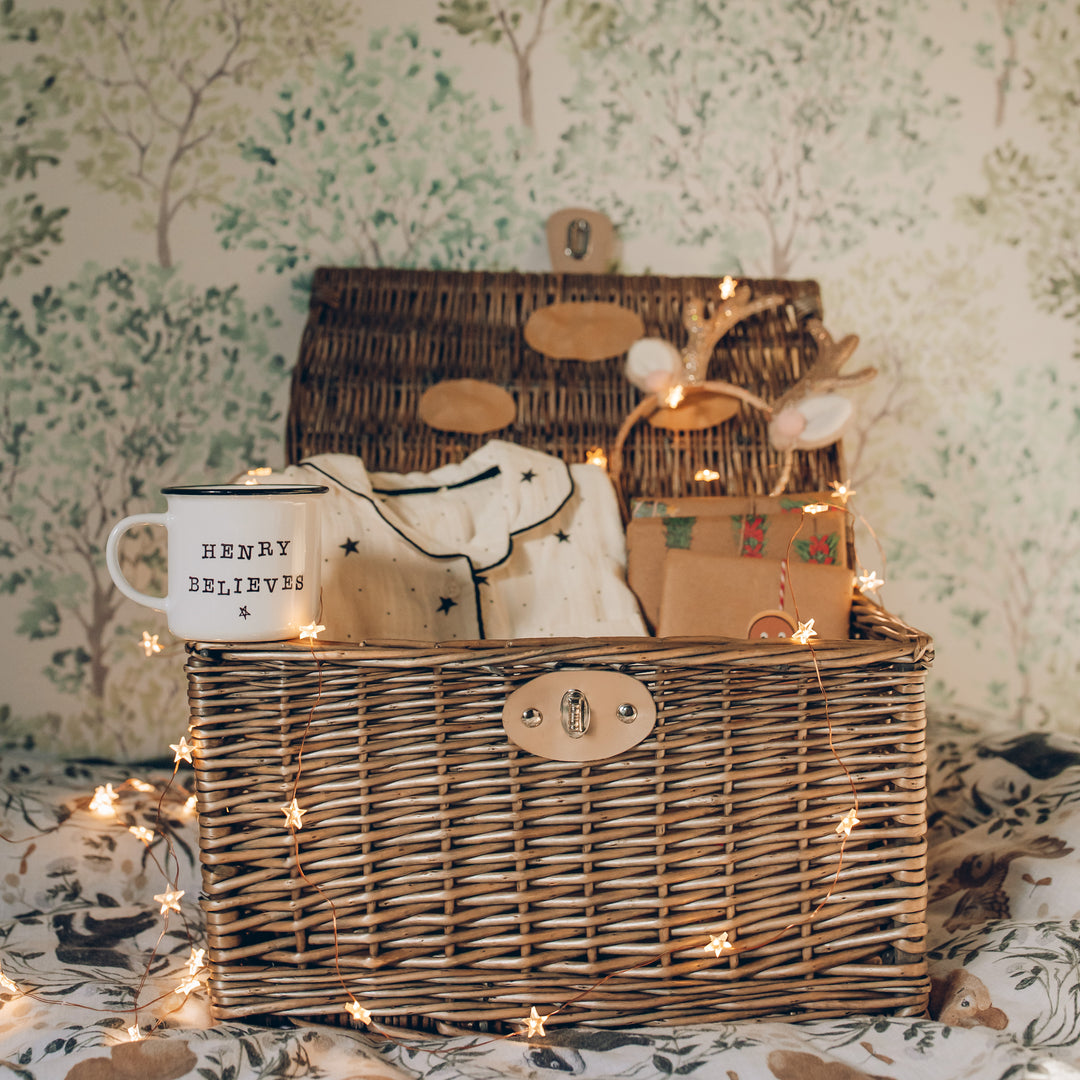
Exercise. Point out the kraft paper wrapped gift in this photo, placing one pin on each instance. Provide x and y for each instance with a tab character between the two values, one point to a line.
720	596
718	505
757	527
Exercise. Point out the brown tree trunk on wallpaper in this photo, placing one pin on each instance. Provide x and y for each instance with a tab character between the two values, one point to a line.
1003	81
164	253
779	246
781	268
104	603
525	93
102	610
164	217
523	58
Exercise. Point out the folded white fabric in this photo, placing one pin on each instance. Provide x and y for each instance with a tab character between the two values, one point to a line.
510	543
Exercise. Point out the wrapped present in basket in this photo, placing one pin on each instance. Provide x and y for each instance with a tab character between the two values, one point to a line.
775	529
730	596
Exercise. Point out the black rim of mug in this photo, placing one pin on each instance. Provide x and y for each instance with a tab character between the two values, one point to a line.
245	489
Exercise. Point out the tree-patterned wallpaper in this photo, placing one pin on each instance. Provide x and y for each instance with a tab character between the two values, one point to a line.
172	171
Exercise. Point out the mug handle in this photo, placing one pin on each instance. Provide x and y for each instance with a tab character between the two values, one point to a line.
112	559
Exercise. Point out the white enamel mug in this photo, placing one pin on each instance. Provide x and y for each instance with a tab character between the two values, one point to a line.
244	560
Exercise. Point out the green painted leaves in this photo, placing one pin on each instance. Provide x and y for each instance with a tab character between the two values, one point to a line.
112	385
383	161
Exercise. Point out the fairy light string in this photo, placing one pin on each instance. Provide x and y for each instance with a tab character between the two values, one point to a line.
868	582
104	803
294	823
802	636
719	944
169	902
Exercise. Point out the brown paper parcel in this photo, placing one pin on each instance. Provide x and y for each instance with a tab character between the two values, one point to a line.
719	596
728	526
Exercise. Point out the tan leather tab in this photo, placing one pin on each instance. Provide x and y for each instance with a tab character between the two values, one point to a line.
580	241
579	714
589	330
469	406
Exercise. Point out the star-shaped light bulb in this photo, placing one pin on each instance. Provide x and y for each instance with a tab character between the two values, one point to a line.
294	816
727	287
141	832
869	583
183	751
847	823
674	396
134	1034
188	986
311	631
804	632
358	1012
706	475
7	984
534	1023
196	961
104	797
816	508
595	455
841	492
141	785
718	943
149	643
169	900
190	802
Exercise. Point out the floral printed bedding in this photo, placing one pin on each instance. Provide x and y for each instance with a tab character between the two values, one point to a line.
91	926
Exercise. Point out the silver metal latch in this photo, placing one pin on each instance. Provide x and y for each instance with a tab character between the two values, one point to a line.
575	713
577	238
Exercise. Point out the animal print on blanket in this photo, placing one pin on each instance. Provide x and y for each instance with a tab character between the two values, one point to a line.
84	944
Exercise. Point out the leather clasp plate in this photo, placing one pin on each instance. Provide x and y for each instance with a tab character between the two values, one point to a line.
579	714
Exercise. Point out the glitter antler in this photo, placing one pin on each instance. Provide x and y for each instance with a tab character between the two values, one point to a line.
735	305
823	375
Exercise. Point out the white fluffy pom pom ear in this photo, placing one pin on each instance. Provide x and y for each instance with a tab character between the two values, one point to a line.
786	427
811	423
652	364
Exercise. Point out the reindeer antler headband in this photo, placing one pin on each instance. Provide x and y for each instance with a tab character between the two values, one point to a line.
808	415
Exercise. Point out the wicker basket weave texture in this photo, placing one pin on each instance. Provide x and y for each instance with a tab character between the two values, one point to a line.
444	875
375	340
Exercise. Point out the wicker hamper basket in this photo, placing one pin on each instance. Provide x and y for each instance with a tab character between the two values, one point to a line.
444	874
